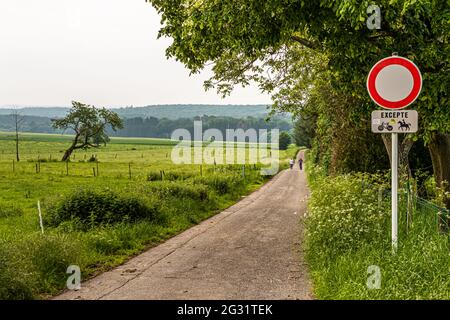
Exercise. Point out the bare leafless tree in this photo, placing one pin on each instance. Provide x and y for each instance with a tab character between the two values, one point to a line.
18	119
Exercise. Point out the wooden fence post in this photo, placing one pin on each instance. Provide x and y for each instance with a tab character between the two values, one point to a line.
41	224
129	169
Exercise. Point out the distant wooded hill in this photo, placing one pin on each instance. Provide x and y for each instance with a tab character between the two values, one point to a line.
152	127
172	112
163	128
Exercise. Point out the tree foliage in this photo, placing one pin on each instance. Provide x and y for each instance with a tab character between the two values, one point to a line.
284	140
253	40
304	131
300	50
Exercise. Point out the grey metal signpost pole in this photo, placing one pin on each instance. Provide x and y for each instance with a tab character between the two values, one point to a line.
394	200
394	83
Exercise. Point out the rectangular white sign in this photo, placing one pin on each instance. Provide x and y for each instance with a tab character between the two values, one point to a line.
395	121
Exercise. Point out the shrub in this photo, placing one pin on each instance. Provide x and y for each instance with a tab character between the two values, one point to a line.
90	208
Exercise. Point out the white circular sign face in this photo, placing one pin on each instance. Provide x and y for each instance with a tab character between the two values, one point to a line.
394	83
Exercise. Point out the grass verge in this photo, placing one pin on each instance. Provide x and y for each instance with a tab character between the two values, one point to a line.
348	241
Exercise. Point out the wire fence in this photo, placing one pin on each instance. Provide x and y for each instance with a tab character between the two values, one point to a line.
416	213
439	218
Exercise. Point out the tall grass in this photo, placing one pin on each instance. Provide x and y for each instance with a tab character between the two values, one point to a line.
348	230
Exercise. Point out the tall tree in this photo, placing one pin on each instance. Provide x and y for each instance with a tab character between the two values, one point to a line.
89	125
284	140
304	131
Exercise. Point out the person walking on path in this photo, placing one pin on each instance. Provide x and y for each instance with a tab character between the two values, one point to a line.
291	163
300	163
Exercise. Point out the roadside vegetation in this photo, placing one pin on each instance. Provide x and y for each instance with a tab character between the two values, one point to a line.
98	215
348	230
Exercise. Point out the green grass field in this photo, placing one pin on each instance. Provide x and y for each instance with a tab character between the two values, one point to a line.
134	175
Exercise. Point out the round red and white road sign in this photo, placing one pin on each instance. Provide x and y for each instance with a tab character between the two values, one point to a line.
394	82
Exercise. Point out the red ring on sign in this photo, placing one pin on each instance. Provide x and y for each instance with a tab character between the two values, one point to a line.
380	65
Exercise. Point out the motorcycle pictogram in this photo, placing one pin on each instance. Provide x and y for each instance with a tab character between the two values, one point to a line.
385	125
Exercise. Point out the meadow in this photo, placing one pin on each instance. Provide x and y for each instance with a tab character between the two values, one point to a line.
101	208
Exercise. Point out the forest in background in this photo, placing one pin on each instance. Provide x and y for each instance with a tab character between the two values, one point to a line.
172	111
156	121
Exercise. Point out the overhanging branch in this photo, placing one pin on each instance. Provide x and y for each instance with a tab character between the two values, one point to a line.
305	42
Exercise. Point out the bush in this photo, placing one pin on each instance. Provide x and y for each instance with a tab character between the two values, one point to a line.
90	208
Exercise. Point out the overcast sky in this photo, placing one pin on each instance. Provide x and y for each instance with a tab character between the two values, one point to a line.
101	52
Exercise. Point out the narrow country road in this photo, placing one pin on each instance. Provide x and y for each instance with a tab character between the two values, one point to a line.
252	250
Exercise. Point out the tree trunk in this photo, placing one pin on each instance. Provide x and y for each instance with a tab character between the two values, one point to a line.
16	121
403	157
404	148
17	147
439	148
387	144
68	153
